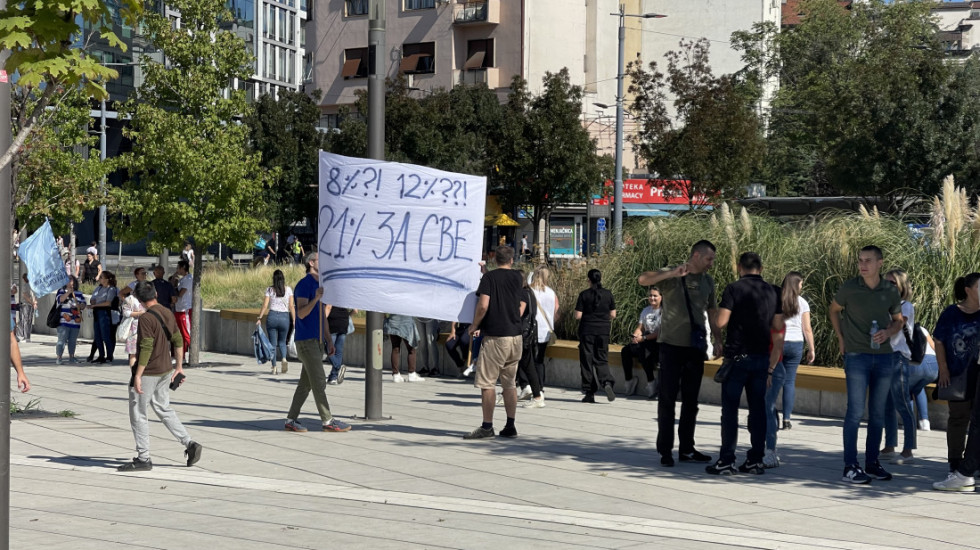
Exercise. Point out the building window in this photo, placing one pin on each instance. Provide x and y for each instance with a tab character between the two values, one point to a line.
355	63
270	61
290	27
419	4
356	7
479	54
282	64
418	58
282	25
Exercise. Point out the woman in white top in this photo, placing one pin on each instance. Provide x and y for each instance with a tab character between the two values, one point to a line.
279	303
547	315
799	336
908	380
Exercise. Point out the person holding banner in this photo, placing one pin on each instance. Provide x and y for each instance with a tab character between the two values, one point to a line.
402	328
500	305
311	322
72	302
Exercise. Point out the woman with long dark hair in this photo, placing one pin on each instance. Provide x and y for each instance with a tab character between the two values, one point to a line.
278	303
595	310
957	338
799	336
643	345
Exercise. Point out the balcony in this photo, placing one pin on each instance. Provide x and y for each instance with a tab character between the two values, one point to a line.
485	12
490	76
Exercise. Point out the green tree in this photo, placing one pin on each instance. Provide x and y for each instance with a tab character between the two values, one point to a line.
284	132
540	154
712	138
55	176
867	102
50	57
192	175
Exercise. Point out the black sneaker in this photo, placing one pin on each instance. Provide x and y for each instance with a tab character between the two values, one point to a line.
589	398
136	465
854	474
755	468
667	460
508	431
193	452
610	394
877	472
480	433
787	425
719	469
694	456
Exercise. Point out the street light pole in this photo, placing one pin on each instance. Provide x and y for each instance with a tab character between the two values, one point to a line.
618	183
102	207
377	71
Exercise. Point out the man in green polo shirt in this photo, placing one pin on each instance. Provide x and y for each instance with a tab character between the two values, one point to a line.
865	313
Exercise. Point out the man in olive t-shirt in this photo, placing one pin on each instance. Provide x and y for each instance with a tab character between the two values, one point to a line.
865	313
681	364
151	379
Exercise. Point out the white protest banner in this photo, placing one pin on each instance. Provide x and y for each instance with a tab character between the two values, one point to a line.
400	238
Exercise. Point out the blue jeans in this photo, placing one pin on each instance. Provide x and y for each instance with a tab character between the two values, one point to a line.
277	326
749	373
772	393
792	355
869	378
914	379
338	355
105	340
66	335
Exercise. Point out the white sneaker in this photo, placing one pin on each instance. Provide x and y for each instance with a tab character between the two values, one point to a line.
414	377
770	460
535	403
397	378
954	481
469	370
924	425
651	387
631	386
57	361
525	393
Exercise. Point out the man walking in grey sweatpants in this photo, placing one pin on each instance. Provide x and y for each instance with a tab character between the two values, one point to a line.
152	376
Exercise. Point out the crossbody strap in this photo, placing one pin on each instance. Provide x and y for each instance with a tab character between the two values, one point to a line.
162	324
687	301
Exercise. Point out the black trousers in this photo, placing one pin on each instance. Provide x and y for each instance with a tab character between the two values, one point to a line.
647	351
593	354
680	367
527	374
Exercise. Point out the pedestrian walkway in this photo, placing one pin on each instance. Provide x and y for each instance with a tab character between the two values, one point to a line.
579	476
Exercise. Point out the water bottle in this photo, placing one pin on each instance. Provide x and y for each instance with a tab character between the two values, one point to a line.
874	329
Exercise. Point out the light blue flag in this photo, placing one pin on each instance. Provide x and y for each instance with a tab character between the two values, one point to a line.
45	270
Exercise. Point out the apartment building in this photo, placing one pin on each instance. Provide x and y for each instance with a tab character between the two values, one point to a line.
956	21
442	43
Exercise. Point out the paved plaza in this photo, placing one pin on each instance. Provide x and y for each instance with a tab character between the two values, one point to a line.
579	476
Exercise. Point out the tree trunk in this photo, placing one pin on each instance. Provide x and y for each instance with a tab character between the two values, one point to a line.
194	359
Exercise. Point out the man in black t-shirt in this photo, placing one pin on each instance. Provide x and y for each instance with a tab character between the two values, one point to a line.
500	304
752	311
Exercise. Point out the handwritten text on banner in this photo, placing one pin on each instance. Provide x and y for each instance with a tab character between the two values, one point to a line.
399	238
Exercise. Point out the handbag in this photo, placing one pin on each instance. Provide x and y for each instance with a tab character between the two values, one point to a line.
122	331
724	370
54	316
552	337
699	336
956	390
350	325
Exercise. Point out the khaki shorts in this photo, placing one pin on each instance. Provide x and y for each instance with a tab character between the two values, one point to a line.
499	356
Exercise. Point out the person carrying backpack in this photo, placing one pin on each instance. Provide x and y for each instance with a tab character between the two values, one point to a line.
529	339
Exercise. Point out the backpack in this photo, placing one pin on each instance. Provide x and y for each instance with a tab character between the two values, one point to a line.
529	321
917	342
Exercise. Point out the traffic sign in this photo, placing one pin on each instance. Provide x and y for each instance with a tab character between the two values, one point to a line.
600	225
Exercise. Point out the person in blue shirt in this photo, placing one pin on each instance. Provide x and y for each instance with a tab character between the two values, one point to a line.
311	315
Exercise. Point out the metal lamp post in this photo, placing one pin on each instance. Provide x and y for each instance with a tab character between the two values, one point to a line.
618	184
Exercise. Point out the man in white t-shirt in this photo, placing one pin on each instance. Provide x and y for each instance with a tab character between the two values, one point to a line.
185	294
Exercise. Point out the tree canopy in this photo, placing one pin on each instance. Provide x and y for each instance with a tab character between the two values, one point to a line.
192	176
50	57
